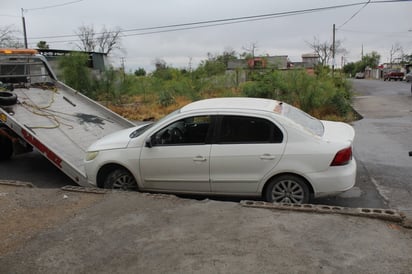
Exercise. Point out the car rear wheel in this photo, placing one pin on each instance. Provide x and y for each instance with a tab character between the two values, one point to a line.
120	179
287	189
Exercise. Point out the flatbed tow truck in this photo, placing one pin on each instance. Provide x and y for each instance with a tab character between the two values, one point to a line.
38	111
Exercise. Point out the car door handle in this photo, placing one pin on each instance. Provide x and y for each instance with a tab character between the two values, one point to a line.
199	159
267	156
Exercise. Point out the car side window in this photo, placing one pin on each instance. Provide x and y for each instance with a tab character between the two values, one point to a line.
242	129
188	131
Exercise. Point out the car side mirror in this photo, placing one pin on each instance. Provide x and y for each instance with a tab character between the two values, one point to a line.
148	142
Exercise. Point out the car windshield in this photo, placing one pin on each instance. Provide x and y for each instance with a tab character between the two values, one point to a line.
303	119
142	129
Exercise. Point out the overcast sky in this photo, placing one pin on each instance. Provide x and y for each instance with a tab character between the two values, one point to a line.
376	27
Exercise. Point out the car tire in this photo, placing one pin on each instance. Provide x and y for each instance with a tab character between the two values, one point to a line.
287	189
6	148
120	179
7	98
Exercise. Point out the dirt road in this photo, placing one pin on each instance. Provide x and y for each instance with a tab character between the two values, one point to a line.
56	231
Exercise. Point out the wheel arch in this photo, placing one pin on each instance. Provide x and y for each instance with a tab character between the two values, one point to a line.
105	170
308	184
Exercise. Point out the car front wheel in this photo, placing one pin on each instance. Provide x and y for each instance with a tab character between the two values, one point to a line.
120	179
287	189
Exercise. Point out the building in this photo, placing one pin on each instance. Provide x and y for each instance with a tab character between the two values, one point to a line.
97	62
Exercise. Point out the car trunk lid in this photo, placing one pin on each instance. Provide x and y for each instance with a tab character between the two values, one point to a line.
338	131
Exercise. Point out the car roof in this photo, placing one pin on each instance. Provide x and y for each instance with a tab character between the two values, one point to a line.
235	103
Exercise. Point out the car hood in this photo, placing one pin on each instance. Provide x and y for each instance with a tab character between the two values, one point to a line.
118	139
338	131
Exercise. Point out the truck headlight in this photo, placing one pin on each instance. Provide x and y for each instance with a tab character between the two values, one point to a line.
91	155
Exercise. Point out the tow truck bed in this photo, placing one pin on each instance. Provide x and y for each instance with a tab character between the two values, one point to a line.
60	123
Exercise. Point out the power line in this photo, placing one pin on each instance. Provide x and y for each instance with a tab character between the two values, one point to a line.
217	22
356	13
54	6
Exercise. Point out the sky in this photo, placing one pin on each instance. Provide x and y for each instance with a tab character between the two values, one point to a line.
359	25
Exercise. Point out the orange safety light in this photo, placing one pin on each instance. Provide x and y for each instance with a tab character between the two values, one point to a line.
18	51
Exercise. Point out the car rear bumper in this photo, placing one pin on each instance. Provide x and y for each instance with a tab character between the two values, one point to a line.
334	180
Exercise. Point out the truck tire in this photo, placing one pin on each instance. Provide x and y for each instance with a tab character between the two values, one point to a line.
6	148
7	98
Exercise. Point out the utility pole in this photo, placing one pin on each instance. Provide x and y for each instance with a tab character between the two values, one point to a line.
24	28
333	51
123	68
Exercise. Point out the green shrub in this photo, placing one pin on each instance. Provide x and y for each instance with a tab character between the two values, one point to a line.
166	99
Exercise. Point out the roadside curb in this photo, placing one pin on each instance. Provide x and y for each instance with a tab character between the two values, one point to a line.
86	189
16	183
375	213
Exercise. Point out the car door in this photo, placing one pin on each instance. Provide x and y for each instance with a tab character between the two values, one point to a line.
246	149
179	156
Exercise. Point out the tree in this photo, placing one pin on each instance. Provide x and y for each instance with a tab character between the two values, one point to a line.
140	72
227	55
162	70
42	45
75	72
371	59
8	38
407	58
105	41
325	49
214	65
395	52
249	51
108	40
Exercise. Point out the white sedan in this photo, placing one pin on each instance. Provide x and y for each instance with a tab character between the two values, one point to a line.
229	146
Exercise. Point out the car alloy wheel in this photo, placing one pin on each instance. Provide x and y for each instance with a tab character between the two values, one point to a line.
287	189
120	179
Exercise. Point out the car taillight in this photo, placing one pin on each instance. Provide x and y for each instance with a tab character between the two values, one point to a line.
342	157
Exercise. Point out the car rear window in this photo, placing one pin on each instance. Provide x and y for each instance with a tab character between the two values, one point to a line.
303	119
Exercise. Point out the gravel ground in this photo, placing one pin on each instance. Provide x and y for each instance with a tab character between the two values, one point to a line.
56	231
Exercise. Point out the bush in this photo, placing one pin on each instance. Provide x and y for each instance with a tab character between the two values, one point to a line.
75	72
318	95
166	99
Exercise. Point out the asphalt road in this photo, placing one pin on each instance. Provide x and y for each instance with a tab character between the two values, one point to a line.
383	138
381	148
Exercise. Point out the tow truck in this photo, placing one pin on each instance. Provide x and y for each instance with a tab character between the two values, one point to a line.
37	111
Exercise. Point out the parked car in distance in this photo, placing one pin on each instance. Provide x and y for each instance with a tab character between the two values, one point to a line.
408	77
360	75
229	146
393	75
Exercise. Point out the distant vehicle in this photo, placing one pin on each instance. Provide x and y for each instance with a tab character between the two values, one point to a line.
408	77
360	75
393	75
229	146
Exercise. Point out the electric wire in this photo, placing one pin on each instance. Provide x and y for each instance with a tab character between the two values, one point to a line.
54	6
353	16
217	22
212	23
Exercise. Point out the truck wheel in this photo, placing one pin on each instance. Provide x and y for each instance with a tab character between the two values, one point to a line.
287	189
6	148
7	98
120	179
